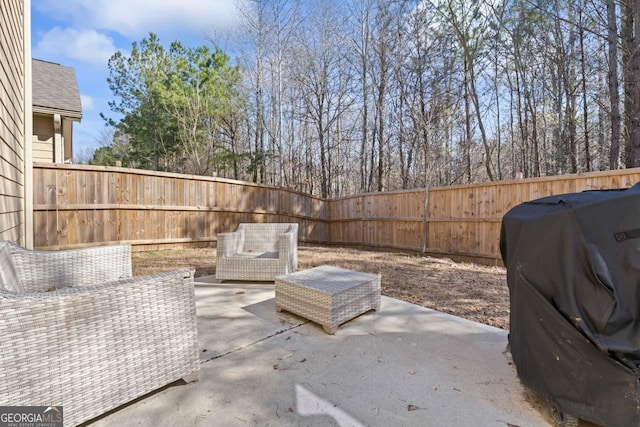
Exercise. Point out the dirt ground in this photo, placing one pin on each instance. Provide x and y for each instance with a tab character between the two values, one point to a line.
475	292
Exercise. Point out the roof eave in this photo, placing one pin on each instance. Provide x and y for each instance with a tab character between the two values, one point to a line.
67	114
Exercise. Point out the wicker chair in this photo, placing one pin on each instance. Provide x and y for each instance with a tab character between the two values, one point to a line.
257	252
79	331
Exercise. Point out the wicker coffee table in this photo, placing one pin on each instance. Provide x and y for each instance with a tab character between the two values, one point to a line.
328	295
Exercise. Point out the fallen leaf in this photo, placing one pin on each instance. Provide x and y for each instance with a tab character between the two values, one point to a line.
412	408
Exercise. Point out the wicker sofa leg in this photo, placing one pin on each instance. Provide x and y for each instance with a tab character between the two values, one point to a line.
330	329
192	377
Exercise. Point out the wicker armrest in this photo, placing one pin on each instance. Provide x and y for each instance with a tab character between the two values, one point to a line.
40	270
288	249
229	243
93	348
113	286
287	242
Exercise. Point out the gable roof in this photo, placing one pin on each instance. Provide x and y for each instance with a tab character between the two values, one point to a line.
55	90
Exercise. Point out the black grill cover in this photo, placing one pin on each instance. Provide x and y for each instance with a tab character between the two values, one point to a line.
573	271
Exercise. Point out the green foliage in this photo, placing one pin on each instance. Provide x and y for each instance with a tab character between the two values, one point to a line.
172	102
133	81
104	156
256	159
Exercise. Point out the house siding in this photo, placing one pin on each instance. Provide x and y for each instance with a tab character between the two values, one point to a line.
13	115
43	134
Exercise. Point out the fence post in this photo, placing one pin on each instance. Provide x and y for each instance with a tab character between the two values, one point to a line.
425	219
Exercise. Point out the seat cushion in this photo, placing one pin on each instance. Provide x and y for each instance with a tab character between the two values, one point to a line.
254	254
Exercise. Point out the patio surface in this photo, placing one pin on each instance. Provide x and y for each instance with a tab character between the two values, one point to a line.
404	365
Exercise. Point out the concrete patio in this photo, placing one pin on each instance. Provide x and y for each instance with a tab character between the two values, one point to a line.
402	366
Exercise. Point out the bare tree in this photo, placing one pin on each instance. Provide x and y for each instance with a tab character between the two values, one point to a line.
468	21
630	33
368	94
614	90
360	15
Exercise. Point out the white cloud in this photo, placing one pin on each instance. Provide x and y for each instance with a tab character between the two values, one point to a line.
136	18
87	102
83	45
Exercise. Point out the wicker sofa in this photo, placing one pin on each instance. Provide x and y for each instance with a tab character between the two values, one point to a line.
79	331
257	251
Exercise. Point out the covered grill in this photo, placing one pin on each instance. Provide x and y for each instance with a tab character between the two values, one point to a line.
573	271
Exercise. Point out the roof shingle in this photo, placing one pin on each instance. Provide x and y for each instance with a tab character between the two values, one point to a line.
55	88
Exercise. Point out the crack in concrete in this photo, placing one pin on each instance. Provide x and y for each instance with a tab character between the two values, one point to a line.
217	356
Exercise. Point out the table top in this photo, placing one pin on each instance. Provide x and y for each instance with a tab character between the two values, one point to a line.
327	278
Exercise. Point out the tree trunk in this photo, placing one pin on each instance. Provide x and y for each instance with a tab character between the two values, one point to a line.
585	109
612	77
631	70
381	125
467	121
630	81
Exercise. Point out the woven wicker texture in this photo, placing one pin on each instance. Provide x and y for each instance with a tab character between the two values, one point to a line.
328	295
100	339
257	252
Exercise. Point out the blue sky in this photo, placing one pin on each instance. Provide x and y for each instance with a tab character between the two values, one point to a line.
83	34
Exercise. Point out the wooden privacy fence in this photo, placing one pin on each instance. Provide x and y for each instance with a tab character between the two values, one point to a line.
76	206
461	221
466	220
394	219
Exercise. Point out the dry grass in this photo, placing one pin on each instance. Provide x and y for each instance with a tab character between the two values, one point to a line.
475	292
